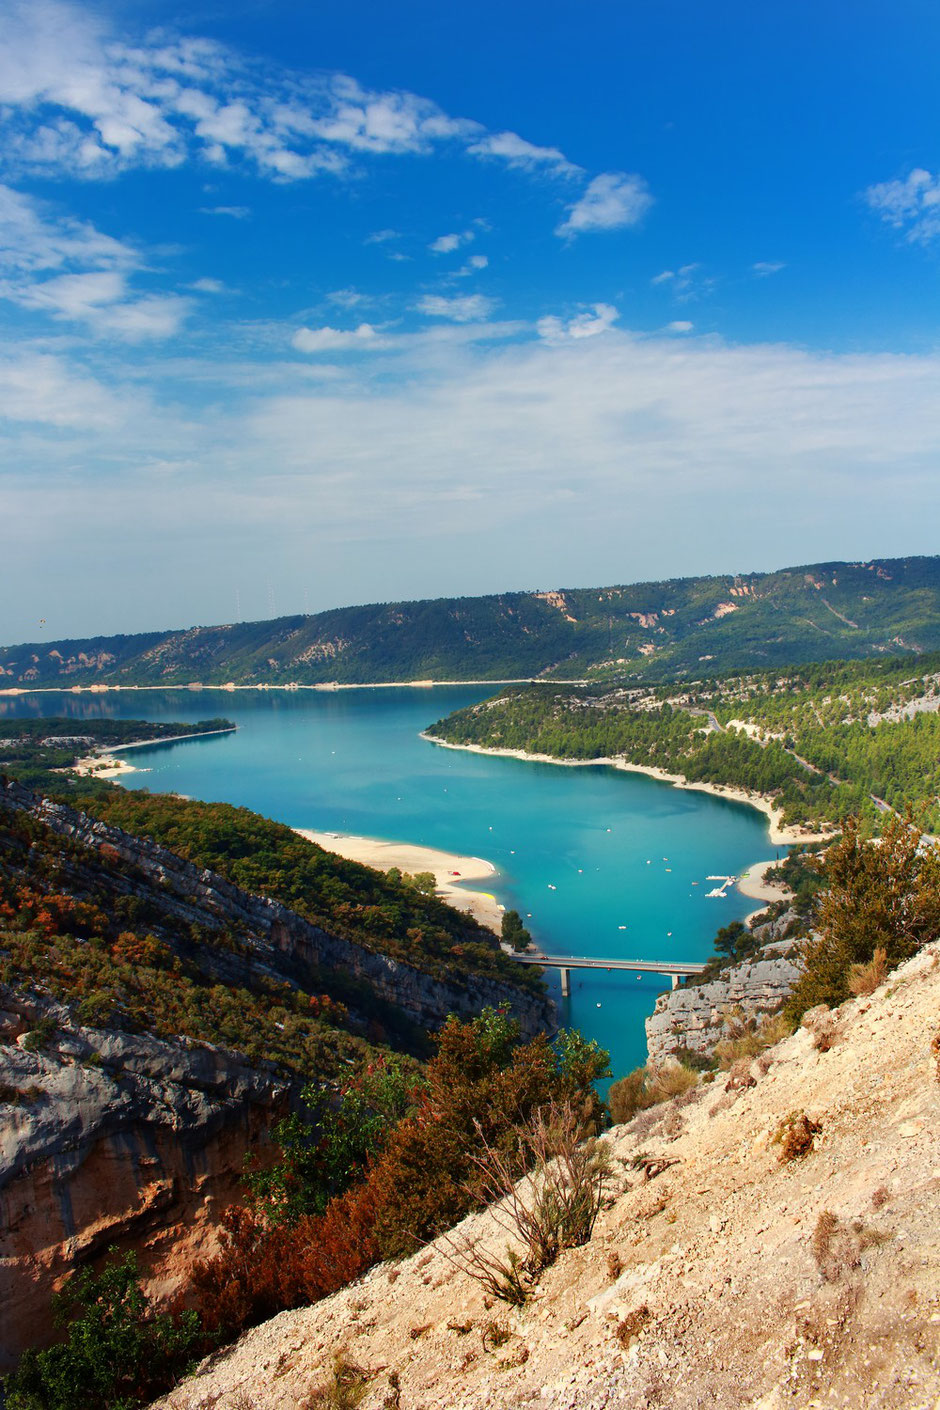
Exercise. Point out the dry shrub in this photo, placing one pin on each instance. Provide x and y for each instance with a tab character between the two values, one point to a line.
417	1332
748	1038
632	1324
739	1076
553	1208
823	1026
345	1390
864	979
647	1087
795	1136
614	1266
838	1246
880	1196
495	1334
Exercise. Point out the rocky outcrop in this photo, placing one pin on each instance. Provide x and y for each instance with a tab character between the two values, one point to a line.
697	1016
111	1138
279	938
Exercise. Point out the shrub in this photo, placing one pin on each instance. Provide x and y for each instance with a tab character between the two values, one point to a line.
119	1352
481	1088
795	1136
881	895
752	1039
554	1208
648	1086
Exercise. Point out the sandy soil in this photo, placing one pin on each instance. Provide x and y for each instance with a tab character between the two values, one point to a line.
450	870
104	766
779	836
753	885
734	1280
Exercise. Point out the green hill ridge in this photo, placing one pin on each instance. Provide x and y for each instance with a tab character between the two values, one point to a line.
657	630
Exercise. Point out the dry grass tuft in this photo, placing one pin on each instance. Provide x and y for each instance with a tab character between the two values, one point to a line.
838	1246
747	1038
647	1087
864	979
614	1266
345	1390
824	1027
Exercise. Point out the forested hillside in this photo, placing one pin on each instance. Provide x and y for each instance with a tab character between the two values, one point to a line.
823	741
662	630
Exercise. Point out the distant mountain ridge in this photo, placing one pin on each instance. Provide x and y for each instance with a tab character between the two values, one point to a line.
660	630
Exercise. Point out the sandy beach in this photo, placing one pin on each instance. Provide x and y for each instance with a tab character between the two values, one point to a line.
753	885
448	869
103	766
780	836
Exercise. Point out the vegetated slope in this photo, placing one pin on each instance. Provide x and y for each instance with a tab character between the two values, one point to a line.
155	1018
652	630
821	741
42	752
734	1278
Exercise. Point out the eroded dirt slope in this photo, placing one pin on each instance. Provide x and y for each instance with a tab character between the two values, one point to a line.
732	1279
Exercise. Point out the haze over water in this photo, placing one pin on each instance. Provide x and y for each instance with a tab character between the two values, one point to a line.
621	850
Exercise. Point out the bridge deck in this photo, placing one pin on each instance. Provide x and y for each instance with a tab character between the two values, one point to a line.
637	966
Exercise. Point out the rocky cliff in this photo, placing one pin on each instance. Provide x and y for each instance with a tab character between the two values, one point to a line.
111	1138
695	1017
111	1135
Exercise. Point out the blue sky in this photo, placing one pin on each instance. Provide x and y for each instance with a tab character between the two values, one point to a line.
312	305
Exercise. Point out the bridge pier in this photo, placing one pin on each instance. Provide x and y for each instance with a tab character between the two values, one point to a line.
565	983
675	980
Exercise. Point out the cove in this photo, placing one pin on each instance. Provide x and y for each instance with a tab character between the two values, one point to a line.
599	862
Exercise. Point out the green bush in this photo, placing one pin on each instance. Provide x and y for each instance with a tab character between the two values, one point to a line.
119	1352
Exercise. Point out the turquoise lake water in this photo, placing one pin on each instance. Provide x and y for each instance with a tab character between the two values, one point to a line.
621	851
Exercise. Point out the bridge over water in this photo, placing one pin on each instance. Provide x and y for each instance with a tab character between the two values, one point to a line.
566	963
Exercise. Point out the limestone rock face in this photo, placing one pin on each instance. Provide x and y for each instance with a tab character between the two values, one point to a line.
108	1139
696	1016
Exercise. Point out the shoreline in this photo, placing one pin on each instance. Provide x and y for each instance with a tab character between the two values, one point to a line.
753	885
414	857
779	835
104	763
230	687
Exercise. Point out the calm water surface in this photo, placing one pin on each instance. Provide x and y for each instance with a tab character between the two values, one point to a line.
620	850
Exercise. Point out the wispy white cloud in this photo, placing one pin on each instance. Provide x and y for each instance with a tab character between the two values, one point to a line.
379	237
472	266
207	286
911	205
446	244
611	202
346	298
687	282
71	272
679	446
764	268
326	339
467	308
679	325
587	324
517	152
77	100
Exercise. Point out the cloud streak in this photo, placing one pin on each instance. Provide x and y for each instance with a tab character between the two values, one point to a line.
76	101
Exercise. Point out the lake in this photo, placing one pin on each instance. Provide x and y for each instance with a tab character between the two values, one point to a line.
599	862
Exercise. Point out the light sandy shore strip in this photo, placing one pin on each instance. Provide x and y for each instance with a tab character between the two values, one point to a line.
752	884
780	836
106	765
103	688
446	867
